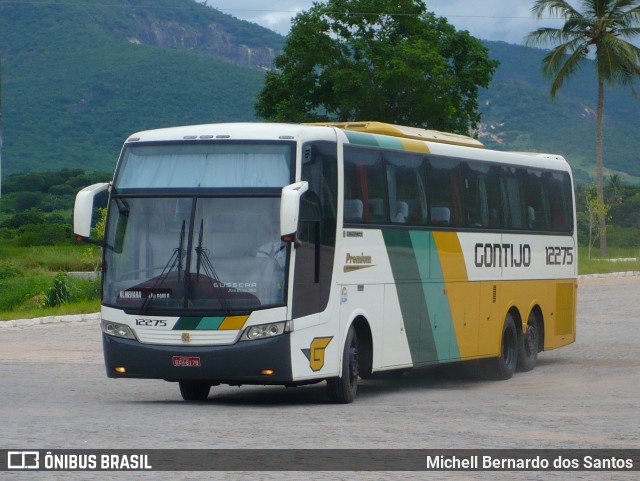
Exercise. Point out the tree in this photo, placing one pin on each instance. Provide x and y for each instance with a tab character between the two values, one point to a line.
597	212
386	60
615	190
599	30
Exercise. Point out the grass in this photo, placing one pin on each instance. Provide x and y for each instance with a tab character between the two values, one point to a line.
68	258
27	274
71	308
597	265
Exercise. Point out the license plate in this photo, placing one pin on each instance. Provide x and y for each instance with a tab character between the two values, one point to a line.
186	361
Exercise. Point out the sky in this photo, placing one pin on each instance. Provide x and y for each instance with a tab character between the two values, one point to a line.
506	20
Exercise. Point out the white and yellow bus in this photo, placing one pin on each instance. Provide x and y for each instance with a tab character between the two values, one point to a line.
292	254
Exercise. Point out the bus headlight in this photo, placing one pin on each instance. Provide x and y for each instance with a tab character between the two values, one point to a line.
263	331
116	329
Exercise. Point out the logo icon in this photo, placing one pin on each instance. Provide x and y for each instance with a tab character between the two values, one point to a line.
357	262
23	460
186	337
315	353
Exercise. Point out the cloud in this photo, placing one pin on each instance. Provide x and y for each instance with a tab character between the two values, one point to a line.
272	15
509	21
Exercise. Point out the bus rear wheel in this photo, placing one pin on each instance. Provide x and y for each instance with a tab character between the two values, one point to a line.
529	345
503	366
343	389
194	391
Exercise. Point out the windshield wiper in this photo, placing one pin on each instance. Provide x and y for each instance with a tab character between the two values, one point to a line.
174	261
202	259
180	251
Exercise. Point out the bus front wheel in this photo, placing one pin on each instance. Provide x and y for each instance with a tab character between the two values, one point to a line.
503	366
194	391
343	389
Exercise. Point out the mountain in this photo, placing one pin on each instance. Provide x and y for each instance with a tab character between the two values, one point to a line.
79	77
518	114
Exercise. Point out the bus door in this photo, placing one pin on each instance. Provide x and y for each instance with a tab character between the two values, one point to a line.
317	231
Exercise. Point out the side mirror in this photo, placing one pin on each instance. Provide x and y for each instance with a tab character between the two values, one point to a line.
290	210
83	209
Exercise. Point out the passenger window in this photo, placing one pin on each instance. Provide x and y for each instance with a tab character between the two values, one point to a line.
512	184
407	196
537	201
559	185
476	195
365	186
445	193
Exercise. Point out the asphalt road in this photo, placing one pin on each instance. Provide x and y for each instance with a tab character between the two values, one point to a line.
55	395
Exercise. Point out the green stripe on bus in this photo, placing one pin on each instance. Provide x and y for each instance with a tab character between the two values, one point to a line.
387	142
436	299
415	315
421	290
196	323
187	324
212	323
361	138
374	140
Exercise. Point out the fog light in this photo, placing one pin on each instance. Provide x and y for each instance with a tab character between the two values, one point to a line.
120	369
267	372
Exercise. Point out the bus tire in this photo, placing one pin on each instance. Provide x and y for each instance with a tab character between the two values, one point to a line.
502	367
529	345
194	391
343	389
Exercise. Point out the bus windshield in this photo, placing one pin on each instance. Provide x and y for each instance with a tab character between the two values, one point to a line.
207	165
194	253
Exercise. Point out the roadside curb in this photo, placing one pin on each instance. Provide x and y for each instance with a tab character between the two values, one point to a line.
611	274
95	316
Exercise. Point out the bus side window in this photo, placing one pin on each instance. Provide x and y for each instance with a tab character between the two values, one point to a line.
407	197
477	195
512	181
365	180
537	201
320	171
559	187
445	192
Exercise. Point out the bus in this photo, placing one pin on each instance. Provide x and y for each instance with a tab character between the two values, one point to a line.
281	254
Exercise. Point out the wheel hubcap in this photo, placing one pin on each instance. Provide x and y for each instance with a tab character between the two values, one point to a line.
507	349
353	364
531	340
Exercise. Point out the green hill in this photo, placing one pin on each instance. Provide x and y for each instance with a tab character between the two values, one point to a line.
78	77
518	114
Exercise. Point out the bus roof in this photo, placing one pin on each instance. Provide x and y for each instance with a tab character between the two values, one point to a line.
232	131
438	143
372	127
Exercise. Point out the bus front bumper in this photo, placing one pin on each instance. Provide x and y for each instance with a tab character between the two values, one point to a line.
264	361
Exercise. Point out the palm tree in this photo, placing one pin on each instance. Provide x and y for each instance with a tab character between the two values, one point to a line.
0	124
598	31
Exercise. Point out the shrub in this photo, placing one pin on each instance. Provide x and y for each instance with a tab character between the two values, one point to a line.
59	292
45	235
8	270
624	237
28	217
56	219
